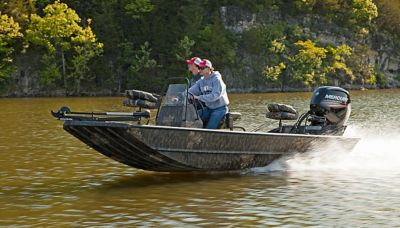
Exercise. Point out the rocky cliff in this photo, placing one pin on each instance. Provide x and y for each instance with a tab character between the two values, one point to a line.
383	49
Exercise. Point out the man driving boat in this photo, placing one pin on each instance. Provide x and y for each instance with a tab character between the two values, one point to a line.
211	90
193	67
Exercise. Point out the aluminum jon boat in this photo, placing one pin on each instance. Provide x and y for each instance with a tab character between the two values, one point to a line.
178	143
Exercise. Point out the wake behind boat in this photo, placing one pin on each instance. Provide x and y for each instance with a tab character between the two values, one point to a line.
178	143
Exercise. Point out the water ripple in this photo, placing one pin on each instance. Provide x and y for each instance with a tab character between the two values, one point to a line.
49	178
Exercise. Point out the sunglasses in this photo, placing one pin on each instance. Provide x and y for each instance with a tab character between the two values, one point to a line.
202	68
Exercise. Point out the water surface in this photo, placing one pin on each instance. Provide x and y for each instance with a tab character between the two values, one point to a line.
49	178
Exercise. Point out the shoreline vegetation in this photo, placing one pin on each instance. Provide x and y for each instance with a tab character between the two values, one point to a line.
104	47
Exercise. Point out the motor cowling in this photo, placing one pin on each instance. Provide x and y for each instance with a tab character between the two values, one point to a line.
330	105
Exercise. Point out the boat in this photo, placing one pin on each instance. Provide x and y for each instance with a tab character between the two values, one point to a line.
177	141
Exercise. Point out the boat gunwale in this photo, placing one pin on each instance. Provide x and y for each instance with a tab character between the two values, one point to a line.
127	125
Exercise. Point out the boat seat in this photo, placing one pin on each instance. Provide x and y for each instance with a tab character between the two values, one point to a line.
142	95
233	115
140	103
281	115
230	117
281	108
281	112
142	99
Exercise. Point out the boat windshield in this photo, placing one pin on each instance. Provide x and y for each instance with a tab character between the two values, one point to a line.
176	95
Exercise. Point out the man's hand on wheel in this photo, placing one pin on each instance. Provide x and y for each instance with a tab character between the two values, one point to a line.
193	97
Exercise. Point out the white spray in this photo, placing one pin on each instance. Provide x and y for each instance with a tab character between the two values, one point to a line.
375	152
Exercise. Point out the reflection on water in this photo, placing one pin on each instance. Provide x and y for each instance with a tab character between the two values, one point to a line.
49	178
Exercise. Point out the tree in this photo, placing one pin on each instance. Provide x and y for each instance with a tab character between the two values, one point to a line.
54	30
9	32
18	9
308	63
138	7
336	64
167	32
277	73
191	15
214	41
86	47
58	31
184	50
51	73
388	15
123	63
363	12
141	64
184	47
364	70
270	47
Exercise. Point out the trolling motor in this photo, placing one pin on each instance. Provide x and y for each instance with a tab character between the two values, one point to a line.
329	112
65	113
135	98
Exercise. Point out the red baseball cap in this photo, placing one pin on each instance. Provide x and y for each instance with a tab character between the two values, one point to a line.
206	63
194	60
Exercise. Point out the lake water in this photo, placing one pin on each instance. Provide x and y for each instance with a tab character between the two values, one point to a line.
49	178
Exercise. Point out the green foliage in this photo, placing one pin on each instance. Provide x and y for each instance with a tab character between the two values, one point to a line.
364	71
184	47
279	48
9	32
142	59
336	64
389	15
60	33
254	39
251	5
191	15
18	9
260	38
269	46
272	73
86	48
122	64
80	63
138	7
141	65
371	78
380	77
54	30
304	5
308	63
363	12
214	41
397	78
278	55
50	72
353	14
5	72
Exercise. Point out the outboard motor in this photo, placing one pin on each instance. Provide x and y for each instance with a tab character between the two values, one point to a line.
331	104
329	112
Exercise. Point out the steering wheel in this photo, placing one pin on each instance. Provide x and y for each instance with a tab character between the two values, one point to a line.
192	100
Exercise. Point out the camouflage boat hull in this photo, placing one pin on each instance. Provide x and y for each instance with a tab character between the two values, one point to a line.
174	149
